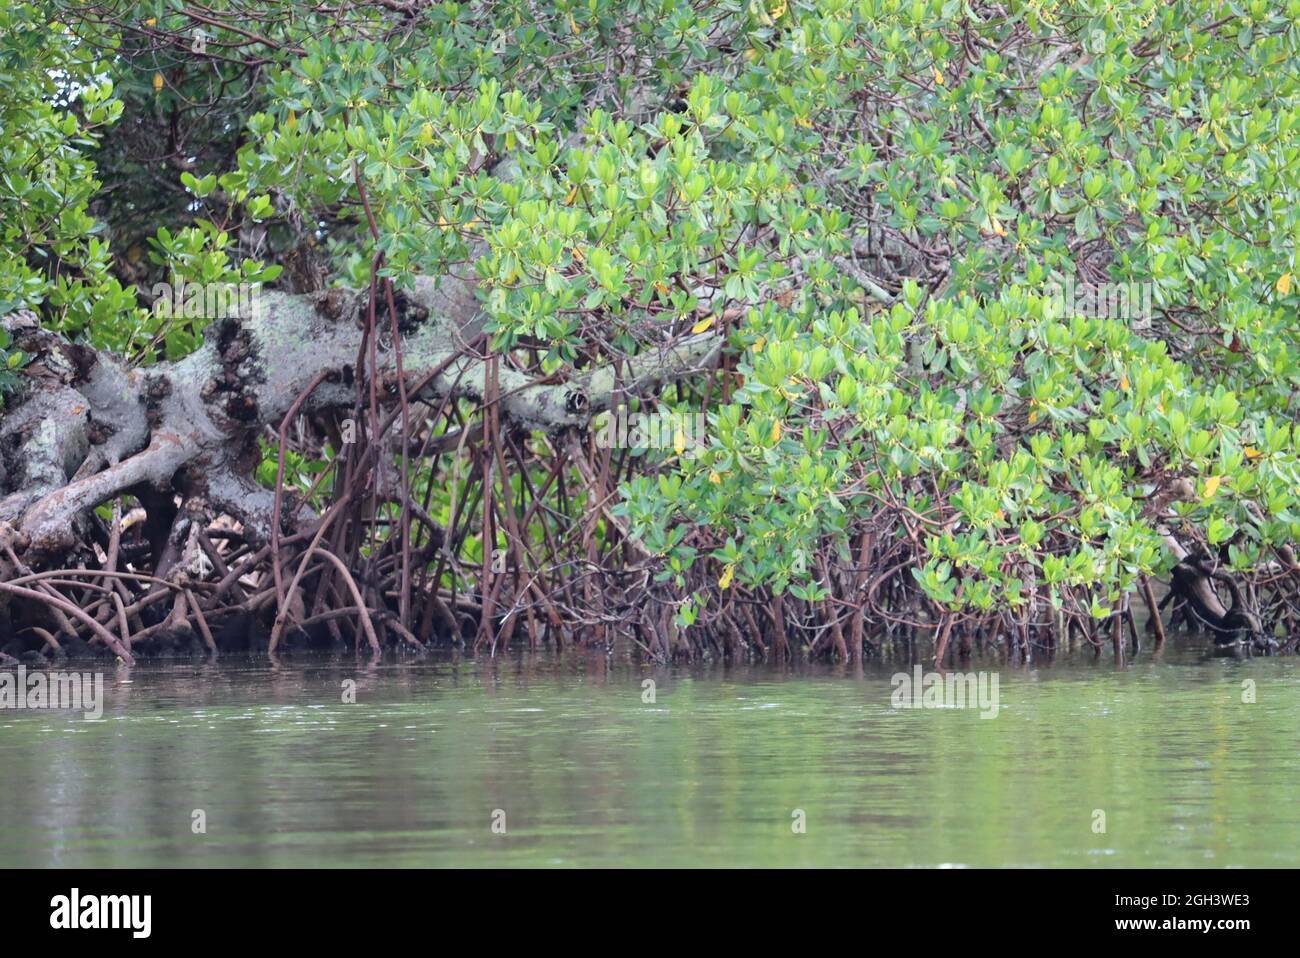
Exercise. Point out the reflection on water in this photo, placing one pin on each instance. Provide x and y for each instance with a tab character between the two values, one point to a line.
709	773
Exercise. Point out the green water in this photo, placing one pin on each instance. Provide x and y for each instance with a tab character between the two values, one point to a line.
710	773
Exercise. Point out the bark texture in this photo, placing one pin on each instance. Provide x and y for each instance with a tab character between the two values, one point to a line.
88	430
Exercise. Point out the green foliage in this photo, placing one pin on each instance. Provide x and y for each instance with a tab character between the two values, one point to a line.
197	256
625	173
58	101
54	101
1019	443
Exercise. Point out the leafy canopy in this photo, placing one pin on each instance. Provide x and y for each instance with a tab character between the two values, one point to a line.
870	199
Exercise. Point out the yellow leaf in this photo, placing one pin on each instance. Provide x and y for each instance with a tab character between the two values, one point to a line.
679	442
157	83
715	478
703	324
1123	382
725	580
573	24
1284	283
1033	417
568	200
938	77
760	343
778	11
1252	453
1212	485
426	134
292	120
151	22
776	431
577	254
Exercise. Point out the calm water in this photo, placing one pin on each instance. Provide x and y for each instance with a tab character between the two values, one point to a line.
586	773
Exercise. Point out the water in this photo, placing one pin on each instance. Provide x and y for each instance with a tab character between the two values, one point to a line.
711	773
